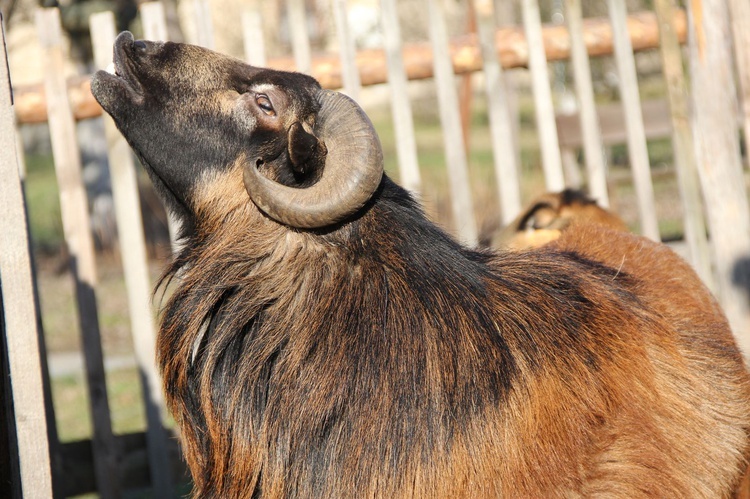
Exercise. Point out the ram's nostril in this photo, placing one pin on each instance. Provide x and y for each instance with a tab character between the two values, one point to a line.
140	45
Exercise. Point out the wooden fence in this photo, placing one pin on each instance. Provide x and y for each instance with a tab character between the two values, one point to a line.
700	122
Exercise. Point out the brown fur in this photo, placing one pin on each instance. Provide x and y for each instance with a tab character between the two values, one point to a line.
663	373
380	358
677	296
549	214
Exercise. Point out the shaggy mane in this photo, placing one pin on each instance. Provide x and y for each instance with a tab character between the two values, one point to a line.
266	322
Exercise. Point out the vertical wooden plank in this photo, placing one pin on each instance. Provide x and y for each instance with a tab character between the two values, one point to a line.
204	28
501	126
21	158
718	158
465	87
252	36
19	315
297	18
403	122
75	216
592	140
450	119
740	15
682	143
135	265
505	16
10	473
347	50
545	110
569	158
154	21
155	28
631	103
52	436
174	30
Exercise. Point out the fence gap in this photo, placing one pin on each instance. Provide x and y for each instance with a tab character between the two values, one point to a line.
135	266
18	309
450	120
719	162
75	216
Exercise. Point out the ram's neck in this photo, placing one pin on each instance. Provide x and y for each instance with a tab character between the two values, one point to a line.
255	313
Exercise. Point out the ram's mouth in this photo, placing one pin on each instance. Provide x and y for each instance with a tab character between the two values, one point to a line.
119	82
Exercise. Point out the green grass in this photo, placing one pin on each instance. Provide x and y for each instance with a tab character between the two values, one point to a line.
71	403
71	408
43	202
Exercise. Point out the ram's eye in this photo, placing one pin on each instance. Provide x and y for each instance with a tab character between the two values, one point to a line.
265	104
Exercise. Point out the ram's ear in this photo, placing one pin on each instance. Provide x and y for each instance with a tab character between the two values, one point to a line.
306	153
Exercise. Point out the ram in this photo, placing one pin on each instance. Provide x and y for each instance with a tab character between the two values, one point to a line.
324	339
547	215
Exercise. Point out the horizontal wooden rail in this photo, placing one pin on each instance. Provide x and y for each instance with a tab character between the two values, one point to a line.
466	53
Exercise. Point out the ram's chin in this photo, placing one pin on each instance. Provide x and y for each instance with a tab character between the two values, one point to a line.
113	93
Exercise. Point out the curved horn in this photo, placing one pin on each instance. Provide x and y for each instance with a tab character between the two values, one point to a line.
352	173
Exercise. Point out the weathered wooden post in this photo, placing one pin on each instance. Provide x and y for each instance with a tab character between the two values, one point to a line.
500	116
204	28
153	21
403	121
297	22
505	17
252	36
718	159
18	320
347	50
683	145
78	237
631	105
543	105
590	131
450	119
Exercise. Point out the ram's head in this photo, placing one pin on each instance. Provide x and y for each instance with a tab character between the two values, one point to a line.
201	122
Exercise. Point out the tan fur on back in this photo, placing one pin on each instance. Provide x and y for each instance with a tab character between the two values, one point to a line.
694	404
